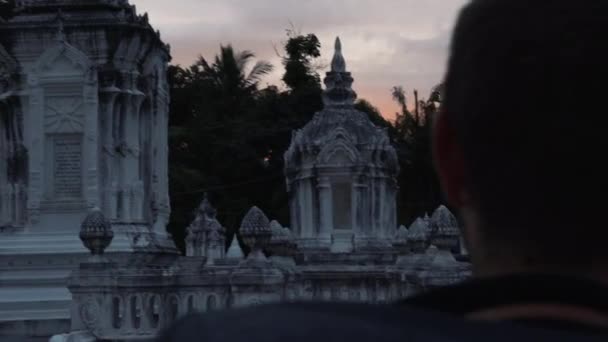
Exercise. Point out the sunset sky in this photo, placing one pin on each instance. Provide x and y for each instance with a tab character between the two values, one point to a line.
386	42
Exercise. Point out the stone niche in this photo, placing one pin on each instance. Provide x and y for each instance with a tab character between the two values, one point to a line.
342	206
65	109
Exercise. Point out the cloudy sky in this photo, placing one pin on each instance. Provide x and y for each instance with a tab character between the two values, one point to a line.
386	42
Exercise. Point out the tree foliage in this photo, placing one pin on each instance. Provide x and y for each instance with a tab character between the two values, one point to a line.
419	186
228	135
300	52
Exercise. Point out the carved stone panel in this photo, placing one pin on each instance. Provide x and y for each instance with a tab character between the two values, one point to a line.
64	115
64	167
67	168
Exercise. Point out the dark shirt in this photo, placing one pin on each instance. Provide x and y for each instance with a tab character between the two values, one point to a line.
437	316
556	297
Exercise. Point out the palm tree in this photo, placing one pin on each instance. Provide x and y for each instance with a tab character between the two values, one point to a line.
229	74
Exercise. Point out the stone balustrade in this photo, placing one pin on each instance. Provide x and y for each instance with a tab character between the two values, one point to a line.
140	315
133	302
135	296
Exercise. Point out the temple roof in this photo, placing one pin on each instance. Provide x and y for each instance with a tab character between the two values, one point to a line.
339	120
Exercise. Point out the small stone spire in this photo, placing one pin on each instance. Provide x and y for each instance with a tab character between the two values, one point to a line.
338	82
338	64
235	251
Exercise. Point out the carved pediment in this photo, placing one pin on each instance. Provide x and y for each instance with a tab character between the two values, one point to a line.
339	152
341	134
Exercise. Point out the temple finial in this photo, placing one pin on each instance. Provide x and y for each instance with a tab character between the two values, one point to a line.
338	82
338	64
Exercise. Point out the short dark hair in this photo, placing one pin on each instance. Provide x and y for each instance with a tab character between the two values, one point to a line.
525	91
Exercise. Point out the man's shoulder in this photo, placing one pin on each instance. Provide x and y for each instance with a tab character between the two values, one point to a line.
342	322
297	322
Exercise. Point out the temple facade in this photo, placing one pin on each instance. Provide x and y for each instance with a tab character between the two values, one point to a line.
343	244
84	253
83	124
341	174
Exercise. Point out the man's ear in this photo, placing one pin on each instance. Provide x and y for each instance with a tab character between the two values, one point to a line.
449	162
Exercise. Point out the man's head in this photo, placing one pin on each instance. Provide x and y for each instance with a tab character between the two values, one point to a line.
521	144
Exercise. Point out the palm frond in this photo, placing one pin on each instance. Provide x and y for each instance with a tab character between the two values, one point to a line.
243	57
260	69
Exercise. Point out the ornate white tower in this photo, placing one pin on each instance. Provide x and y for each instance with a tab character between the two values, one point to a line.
83	124
341	174
83	115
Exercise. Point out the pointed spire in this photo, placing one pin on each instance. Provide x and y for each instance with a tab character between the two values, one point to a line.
338	64
338	82
235	251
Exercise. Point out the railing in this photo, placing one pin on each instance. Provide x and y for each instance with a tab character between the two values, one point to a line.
139	315
115	306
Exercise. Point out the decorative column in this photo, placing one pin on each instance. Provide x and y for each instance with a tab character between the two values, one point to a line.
392	202
20	156
325	209
373	202
19	214
294	214
91	139
382	219
108	96
7	204
161	165
305	208
4	199
360	212
33	142
133	99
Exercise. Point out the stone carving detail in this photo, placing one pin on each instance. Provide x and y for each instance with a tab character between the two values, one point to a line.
339	147
67	75
444	228
91	314
282	242
205	235
96	232
67	166
64	115
419	235
256	233
339	81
